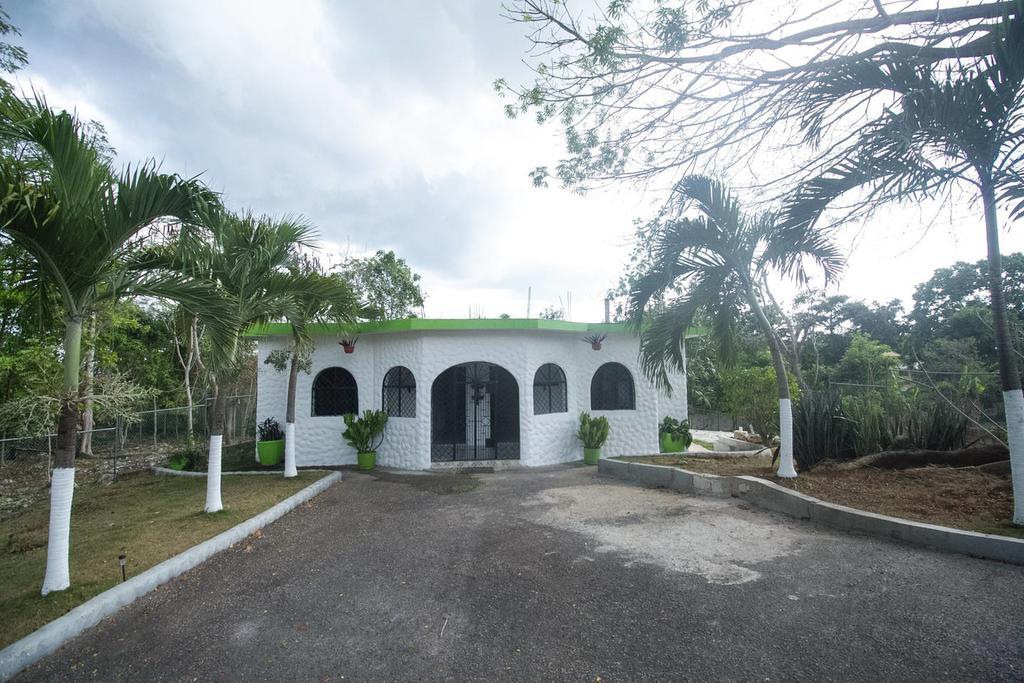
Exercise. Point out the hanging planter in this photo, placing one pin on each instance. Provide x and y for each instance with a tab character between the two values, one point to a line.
349	344
595	340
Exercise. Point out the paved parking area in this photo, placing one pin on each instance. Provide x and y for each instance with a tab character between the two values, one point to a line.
558	574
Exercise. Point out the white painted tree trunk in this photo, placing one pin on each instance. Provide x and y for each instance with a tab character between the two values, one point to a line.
213	501
58	573
289	450
786	468
1013	405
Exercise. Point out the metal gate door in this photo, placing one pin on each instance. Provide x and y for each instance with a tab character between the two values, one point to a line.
474	414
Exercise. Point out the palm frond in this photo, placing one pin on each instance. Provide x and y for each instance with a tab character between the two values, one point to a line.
713	293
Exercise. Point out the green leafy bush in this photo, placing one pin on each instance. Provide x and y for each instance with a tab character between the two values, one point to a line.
678	431
593	431
366	433
189	460
751	394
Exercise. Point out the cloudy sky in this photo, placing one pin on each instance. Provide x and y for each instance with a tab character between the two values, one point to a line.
377	120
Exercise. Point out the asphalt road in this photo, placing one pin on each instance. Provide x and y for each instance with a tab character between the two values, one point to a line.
558	574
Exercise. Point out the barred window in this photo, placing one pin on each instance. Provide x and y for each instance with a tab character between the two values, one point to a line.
335	393
549	393
400	392
612	388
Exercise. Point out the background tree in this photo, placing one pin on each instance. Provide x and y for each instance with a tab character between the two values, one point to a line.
749	394
387	285
720	258
187	334
552	313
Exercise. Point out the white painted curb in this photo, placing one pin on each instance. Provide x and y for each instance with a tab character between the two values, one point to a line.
770	495
167	471
49	638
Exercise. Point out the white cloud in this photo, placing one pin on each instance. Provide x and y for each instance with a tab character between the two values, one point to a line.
378	122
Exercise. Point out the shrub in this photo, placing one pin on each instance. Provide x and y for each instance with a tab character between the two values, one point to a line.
593	431
366	433
820	429
829	426
937	427
190	460
677	430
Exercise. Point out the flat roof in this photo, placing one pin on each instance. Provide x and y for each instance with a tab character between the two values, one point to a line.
445	324
455	324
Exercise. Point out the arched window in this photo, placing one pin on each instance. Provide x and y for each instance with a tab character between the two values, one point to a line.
612	388
549	390
400	392
335	393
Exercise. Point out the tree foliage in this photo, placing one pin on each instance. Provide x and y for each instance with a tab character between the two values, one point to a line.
750	395
388	286
643	89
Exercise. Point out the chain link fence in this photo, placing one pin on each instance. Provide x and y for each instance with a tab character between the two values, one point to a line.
146	439
713	421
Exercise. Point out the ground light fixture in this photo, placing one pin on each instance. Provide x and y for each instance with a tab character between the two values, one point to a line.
122	560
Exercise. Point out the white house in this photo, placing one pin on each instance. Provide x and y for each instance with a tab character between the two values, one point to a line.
475	389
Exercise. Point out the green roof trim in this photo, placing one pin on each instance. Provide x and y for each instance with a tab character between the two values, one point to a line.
451	324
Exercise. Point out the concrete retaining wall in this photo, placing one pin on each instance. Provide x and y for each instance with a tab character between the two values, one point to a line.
38	644
777	498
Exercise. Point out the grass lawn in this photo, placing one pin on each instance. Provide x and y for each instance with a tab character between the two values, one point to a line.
151	517
963	498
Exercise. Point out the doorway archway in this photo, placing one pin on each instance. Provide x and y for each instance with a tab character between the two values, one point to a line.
474	409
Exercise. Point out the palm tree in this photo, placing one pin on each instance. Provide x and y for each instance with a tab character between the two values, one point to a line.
81	222
719	260
246	259
963	126
320	297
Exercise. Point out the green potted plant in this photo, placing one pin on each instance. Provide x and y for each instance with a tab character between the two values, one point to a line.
365	434
674	435
593	432
595	340
270	446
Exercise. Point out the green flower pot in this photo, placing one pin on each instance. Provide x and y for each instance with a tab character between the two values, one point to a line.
670	445
366	461
591	456
270	452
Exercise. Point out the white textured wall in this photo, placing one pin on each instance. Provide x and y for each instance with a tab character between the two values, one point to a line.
675	405
545	439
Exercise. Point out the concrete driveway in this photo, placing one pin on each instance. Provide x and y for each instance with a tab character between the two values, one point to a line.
558	574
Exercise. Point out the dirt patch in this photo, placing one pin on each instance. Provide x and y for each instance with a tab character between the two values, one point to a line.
963	498
707	537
